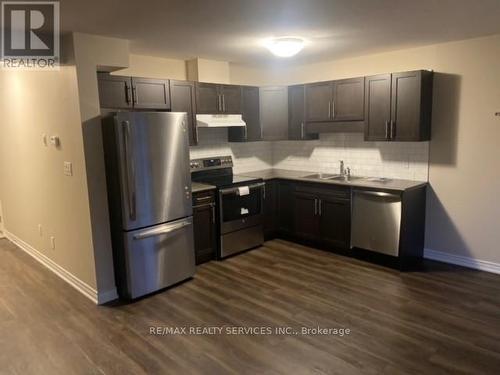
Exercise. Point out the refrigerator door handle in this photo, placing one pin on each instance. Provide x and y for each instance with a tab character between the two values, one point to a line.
129	169
164	229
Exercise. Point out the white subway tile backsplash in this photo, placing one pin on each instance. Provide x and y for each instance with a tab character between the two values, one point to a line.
408	160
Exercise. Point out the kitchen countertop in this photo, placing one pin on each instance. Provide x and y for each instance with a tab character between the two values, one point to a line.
390	184
197	187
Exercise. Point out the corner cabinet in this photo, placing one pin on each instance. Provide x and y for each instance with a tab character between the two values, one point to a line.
297	129
274	112
250	110
119	92
399	106
335	101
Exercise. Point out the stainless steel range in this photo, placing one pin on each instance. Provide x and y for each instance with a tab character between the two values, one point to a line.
240	203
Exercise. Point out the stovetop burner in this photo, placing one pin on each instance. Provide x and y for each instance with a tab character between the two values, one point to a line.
218	171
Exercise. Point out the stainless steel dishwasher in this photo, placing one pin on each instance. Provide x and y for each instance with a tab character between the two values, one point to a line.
376	221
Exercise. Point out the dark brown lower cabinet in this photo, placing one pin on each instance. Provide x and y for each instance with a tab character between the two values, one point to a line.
322	215
204	226
285	214
270	209
335	221
306	219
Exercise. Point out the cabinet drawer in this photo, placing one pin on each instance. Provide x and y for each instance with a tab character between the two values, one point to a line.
203	197
334	191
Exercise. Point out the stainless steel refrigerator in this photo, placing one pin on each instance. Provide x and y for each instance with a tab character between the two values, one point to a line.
149	194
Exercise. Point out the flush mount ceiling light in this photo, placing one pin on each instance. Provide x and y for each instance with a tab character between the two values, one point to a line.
284	46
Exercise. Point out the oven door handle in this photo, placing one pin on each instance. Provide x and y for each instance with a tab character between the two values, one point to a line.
235	190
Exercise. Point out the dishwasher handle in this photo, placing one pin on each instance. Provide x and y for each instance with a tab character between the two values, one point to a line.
378	194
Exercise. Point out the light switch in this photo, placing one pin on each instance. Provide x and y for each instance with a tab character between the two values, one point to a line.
68	168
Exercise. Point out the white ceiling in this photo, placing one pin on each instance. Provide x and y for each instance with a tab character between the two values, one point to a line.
231	30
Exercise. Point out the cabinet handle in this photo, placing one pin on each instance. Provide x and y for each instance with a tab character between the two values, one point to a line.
127	93
301	130
203	199
319	209
387	130
134	94
329	109
315	206
218	103
333	109
129	170
223	103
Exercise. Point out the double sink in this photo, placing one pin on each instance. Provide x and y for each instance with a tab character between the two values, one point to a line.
343	178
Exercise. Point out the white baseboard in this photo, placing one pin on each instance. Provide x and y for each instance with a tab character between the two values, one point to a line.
481	265
75	282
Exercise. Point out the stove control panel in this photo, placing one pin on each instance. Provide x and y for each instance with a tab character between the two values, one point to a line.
211	163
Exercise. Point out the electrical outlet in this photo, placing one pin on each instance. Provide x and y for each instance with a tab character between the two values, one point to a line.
53	242
40	230
68	168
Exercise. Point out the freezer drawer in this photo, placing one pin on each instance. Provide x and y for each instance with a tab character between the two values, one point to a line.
376	221
157	257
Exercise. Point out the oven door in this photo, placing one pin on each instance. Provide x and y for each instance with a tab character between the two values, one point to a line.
241	211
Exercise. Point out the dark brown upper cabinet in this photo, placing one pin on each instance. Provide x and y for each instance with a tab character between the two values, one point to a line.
250	109
213	99
207	98
335	101
296	114
148	93
231	99
119	92
399	106
183	99
114	91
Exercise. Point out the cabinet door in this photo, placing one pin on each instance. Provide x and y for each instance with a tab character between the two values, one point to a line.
274	113
319	102
306	223
182	98
285	207
115	92
250	109
296	114
349	100
270	209
335	221
411	106
151	93
204	232
377	107
208	100
231	99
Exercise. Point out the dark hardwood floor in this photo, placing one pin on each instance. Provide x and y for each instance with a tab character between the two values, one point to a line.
443	320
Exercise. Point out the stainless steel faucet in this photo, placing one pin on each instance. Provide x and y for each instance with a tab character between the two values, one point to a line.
342	168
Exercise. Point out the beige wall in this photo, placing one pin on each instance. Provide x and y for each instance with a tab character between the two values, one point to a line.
154	67
92	53
463	209
204	70
33	188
